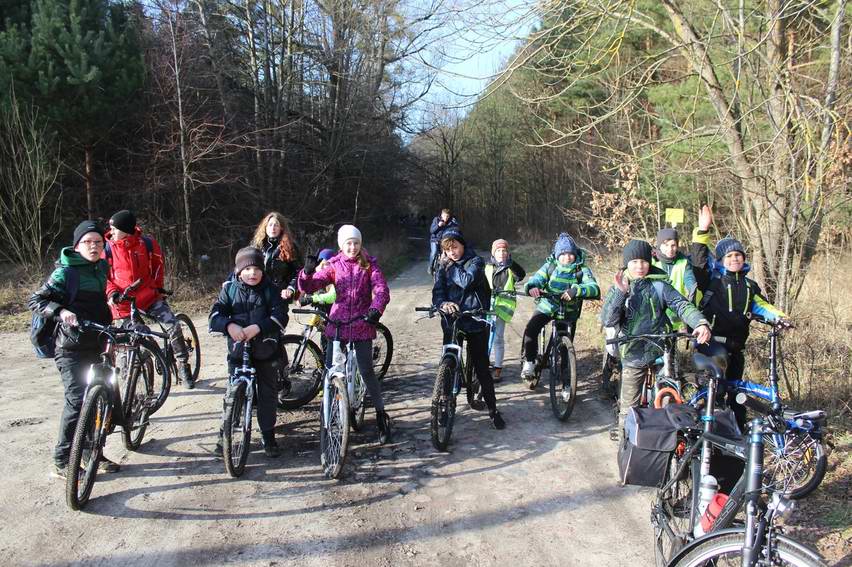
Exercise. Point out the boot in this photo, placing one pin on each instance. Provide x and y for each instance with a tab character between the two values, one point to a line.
498	370
497	421
185	375
270	446
383	422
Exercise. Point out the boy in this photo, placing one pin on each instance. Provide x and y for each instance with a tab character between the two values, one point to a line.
566	274
460	285
250	308
638	304
76	350
132	256
502	273
442	222
668	258
729	298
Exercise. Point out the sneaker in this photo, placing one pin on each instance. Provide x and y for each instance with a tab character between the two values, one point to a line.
615	433
107	466
185	375
58	471
270	446
383	422
528	369
495	375
497	420
218	450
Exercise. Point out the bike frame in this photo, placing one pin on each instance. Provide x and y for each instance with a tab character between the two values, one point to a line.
245	374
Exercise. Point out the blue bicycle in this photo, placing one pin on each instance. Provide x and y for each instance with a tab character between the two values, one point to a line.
796	460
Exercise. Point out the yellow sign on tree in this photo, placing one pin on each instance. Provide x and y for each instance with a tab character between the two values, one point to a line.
674	217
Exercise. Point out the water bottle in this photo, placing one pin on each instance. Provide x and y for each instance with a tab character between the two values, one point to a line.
708	518
706	492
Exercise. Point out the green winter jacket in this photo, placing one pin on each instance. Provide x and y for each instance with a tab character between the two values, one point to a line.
554	278
639	311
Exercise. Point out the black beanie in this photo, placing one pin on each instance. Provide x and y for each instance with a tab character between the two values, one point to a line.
246	257
125	221
84	228
667	234
637	250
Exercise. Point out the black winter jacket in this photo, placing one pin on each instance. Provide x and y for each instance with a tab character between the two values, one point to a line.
436	231
282	273
463	283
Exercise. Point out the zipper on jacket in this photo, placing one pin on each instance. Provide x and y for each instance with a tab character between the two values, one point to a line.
730	300
747	301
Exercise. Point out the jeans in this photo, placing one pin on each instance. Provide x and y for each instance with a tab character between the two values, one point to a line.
364	358
498	344
73	366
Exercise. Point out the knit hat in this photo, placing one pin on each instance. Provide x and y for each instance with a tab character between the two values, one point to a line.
667	234
637	250
84	228
347	232
499	243
125	221
564	245
326	254
248	256
727	245
453	233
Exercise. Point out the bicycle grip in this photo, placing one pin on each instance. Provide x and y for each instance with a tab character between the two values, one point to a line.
753	404
303	311
424	309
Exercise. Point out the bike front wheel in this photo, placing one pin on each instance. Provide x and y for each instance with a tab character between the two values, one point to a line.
301	375
726	549
86	447
334	432
193	345
382	351
443	404
563	379
673	513
795	461
236	431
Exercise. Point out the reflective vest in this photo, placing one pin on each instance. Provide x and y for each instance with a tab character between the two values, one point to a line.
502	305
676	271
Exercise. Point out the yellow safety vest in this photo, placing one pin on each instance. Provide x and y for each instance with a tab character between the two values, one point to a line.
502	305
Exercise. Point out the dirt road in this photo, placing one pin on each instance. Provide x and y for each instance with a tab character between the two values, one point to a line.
538	493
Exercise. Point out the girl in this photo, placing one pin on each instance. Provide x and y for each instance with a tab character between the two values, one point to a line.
361	290
502	273
281	258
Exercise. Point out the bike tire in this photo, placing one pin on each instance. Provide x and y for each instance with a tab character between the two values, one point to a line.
356	415
382	351
193	344
334	435
304	372
800	467
563	380
88	444
674	512
725	549
236	431
443	407
136	402
158	370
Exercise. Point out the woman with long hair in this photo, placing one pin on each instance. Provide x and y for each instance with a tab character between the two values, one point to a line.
282	258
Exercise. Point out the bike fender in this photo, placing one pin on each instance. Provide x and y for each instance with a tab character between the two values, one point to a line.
807	550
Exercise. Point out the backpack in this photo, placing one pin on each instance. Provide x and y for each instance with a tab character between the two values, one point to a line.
149	246
43	329
615	330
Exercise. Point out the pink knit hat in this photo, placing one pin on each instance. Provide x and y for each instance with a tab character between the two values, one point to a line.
499	243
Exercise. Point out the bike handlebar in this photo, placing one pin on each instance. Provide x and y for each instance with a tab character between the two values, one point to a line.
112	331
780	324
469	313
328	319
629	338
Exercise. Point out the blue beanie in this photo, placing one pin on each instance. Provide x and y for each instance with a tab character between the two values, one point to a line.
453	233
564	244
727	245
326	254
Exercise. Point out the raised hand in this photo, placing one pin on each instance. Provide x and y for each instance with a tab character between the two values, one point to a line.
705	217
620	282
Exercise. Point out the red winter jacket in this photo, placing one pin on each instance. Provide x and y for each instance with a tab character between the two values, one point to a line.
130	261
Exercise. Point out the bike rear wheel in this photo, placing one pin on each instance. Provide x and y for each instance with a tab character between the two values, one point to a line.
139	393
443	411
303	371
236	431
193	345
798	466
359	401
563	379
382	350
86	447
674	512
334	434
725	550
158	372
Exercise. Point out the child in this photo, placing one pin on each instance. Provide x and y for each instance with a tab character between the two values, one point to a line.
638	304
250	308
76	350
132	256
361	290
677	266
502	274
461	285
442	222
281	257
729	298
565	273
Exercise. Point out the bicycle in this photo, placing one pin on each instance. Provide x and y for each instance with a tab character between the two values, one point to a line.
454	372
759	542
797	458
236	422
104	407
301	376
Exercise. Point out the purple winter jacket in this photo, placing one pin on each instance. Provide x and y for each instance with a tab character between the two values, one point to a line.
357	291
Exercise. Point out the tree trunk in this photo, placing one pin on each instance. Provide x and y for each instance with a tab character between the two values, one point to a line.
90	194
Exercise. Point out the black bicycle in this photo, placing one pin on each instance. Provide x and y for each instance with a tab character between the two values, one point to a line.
236	423
454	372
105	406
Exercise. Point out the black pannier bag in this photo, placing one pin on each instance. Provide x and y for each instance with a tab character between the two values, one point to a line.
649	440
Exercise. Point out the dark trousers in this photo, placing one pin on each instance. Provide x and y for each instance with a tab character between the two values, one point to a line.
478	356
73	366
536	323
364	358
736	366
266	379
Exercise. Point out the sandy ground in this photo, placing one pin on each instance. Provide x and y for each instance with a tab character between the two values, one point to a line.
540	492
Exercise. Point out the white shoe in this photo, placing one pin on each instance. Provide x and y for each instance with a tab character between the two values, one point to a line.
528	369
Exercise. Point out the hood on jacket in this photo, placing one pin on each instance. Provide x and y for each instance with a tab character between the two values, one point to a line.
137	233
717	269
70	257
660	257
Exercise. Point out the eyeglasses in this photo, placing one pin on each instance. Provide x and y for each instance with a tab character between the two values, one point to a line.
92	242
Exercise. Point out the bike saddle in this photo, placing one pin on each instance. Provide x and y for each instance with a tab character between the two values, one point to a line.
704	362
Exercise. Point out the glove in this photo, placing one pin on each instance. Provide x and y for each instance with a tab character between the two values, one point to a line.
306	299
113	297
373	315
572	292
311	263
